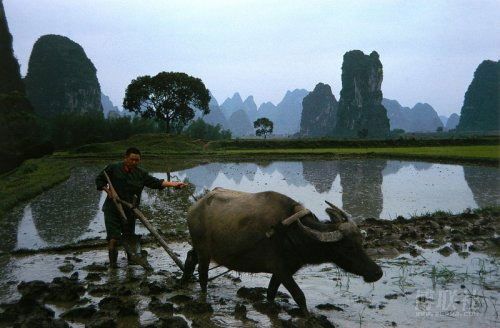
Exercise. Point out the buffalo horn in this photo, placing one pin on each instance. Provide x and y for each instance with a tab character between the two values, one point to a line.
328	236
295	217
339	214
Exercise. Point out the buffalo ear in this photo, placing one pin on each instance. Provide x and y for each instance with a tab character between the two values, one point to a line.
336	214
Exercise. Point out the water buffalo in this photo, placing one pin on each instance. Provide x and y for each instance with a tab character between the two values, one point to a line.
270	232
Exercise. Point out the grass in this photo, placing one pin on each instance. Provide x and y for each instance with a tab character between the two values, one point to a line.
480	153
149	144
480	150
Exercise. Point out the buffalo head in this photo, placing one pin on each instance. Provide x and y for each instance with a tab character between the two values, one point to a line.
342	240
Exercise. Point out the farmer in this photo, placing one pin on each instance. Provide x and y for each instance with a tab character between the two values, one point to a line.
128	181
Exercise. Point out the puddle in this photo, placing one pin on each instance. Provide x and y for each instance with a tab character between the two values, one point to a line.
428	290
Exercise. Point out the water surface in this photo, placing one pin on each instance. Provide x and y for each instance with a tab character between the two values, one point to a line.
364	187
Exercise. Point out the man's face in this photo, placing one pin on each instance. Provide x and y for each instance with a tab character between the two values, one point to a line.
132	160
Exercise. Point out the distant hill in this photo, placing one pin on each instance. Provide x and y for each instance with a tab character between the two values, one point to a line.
481	109
231	105
266	109
319	114
285	116
61	78
452	122
215	116
250	108
240	125
421	118
108	107
360	111
288	112
444	119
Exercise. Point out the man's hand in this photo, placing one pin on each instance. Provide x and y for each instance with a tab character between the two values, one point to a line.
110	193
174	184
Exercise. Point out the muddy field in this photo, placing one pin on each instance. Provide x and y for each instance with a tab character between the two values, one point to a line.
438	271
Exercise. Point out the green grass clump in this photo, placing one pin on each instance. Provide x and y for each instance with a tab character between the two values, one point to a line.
490	153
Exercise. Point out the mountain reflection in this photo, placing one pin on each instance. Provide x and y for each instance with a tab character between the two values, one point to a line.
320	174
364	187
484	182
361	183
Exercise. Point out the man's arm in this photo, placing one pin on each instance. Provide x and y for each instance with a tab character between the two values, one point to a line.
155	183
174	184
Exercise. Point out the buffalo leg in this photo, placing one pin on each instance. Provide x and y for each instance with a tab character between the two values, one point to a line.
274	284
296	292
189	265
203	264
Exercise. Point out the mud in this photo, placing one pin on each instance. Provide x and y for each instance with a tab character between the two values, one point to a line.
423	259
462	233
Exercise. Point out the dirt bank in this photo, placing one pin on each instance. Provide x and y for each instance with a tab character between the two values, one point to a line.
462	233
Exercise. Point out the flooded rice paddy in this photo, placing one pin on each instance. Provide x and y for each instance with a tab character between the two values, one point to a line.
427	290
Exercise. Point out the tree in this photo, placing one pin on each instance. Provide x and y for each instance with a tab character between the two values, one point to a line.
202	130
169	96
264	127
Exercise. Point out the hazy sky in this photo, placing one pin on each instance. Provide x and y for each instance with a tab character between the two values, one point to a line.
429	49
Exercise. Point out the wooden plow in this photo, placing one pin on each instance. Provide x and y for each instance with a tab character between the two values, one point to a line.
138	258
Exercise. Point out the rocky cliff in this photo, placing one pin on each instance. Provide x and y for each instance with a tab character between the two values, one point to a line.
10	78
61	78
481	108
360	111
319	112
19	131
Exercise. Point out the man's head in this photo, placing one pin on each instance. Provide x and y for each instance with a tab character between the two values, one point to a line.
132	157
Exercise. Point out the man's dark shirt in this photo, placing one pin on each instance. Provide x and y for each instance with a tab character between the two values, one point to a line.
126	184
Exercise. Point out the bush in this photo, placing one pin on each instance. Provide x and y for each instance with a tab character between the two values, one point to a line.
69	130
201	130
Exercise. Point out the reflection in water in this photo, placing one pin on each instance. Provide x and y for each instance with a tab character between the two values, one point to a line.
412	192
203	176
364	188
320	174
236	172
60	215
27	233
361	182
484	184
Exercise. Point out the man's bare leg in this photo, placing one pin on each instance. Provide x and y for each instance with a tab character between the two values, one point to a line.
113	253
